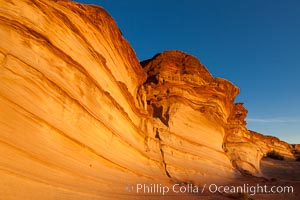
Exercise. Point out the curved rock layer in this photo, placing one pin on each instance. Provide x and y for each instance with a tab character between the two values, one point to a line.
191	109
81	118
246	148
197	107
69	124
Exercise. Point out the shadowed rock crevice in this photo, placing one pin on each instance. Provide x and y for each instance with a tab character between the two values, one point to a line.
162	153
162	114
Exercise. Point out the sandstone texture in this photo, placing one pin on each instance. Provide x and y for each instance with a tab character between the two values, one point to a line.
81	118
190	108
246	147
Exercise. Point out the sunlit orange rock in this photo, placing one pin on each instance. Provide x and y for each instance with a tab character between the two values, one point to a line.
81	118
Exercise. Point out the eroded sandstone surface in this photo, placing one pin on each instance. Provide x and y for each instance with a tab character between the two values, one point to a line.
190	109
81	118
246	147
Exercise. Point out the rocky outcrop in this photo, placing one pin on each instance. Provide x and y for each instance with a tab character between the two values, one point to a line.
244	153
245	147
81	118
190	109
296	147
270	143
70	127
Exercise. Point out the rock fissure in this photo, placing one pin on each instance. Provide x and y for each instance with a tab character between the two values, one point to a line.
157	136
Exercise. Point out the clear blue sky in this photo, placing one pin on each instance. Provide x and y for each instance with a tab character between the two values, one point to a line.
253	43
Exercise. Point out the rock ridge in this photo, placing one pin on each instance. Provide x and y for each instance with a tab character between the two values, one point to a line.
82	118
177	80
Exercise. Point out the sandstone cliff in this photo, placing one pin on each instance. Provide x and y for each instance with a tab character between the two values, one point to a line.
190	109
245	147
81	118
69	124
194	106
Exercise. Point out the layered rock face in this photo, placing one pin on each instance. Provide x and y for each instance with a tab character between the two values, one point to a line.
190	105
190	109
81	118
244	152
69	124
269	143
296	147
245	147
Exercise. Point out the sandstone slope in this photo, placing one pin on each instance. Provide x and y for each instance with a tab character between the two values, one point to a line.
69	124
81	118
190	108
246	147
